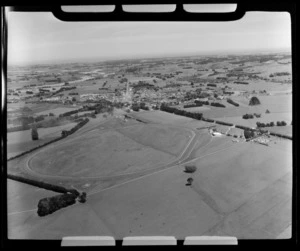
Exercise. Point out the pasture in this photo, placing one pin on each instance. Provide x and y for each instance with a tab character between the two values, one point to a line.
111	152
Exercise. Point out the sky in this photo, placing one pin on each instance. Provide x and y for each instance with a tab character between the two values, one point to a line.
41	38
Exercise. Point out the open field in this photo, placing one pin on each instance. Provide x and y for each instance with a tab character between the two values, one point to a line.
286	130
280	107
163	117
121	152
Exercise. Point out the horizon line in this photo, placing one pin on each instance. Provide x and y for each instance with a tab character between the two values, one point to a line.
141	57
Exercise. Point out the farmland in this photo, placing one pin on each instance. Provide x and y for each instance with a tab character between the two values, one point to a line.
130	156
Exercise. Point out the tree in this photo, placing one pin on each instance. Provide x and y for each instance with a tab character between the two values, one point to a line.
190	181
190	169
82	197
248	134
267	111
254	101
34	133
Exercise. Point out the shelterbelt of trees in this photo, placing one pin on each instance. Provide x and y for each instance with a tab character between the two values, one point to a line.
41	184
199	116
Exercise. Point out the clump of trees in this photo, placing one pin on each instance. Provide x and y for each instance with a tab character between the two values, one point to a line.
271	124
217	104
193	115
241	83
192	105
279	74
254	101
251	116
223	123
213	85
248	116
230	101
65	133
199	102
51	204
135	107
260	125
190	168
249	134
282	123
